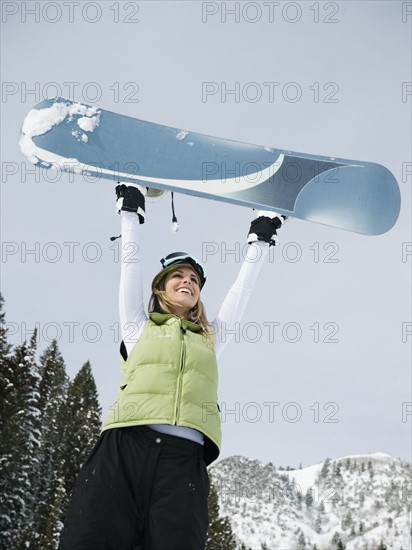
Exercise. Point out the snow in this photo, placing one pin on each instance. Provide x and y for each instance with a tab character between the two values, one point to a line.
79	136
181	135
366	489
40	121
377	455
304	478
88	124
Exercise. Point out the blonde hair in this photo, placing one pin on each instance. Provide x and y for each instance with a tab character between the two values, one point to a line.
160	303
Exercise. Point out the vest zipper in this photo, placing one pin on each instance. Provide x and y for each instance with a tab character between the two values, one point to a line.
181	369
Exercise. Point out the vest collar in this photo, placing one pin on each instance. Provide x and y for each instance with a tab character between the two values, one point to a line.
160	318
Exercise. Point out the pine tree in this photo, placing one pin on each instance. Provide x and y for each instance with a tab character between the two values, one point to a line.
9	504
22	422
43	420
361	498
382	546
337	469
82	417
301	542
52	396
309	497
78	418
337	542
219	535
325	468
318	524
347	521
49	537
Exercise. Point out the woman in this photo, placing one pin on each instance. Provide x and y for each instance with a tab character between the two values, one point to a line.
145	486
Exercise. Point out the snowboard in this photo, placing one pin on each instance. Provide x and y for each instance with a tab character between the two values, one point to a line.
357	196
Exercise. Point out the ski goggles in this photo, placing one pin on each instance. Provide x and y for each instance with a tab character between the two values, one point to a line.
177	258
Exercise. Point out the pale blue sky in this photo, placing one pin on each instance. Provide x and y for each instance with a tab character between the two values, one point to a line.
163	57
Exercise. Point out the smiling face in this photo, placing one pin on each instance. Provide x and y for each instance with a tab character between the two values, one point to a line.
182	287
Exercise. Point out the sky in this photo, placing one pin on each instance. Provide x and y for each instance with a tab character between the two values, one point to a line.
320	363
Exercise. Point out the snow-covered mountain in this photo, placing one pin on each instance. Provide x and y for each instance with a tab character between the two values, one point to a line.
356	502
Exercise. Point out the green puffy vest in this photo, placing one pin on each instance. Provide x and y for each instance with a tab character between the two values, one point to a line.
170	377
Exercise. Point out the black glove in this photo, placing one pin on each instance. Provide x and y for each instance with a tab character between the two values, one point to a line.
131	198
265	226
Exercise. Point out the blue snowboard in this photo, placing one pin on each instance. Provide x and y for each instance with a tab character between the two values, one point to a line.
357	196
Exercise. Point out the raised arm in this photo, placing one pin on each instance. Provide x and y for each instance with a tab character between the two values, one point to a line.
131	308
261	236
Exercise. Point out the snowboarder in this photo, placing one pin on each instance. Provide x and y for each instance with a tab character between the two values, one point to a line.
145	485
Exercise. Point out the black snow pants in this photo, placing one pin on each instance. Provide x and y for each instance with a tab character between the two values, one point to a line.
139	490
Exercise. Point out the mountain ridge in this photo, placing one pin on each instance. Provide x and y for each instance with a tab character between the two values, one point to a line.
357	502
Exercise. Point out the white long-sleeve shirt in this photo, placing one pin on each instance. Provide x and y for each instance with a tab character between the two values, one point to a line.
133	315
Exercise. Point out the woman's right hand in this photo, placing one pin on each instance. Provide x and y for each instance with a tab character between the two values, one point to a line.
131	198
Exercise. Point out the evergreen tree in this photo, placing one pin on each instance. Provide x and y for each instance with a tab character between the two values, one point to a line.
337	469
79	419
301	541
82	417
337	542
325	468
10	503
309	497
347	521
299	499
22	423
335	538
219	535
52	396
361	498
318	524
382	546
49	537
43	421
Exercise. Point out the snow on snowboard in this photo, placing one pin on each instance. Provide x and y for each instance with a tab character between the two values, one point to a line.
357	196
